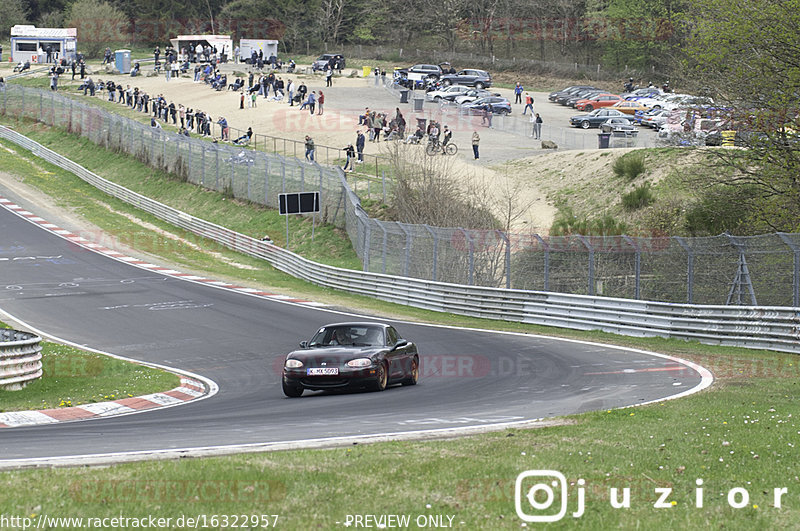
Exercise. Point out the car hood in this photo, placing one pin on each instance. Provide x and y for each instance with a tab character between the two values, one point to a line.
338	353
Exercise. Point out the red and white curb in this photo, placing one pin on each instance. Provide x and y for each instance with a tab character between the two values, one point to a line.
189	390
116	255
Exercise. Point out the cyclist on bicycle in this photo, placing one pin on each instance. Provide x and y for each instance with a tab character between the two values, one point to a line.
448	134
433	134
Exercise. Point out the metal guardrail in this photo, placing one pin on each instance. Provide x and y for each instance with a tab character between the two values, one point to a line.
761	327
20	359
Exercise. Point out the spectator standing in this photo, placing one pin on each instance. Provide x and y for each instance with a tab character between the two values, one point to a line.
156	54
329	77
518	93
302	90
351	154
53	79
476	139
309	149
223	123
241	101
290	92
312	101
360	141
83	69
1	52
537	127
528	103
321	102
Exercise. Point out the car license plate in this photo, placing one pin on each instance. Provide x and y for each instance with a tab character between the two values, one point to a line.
323	371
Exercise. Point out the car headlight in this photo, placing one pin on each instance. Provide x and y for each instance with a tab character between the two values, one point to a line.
359	362
293	364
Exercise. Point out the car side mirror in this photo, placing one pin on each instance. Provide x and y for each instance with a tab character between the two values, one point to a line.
304	344
400	343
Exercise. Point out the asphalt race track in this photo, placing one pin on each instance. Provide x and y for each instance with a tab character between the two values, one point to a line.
468	377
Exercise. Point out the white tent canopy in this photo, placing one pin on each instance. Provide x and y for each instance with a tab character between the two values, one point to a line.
223	43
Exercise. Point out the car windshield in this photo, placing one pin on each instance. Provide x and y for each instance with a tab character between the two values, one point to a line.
348	335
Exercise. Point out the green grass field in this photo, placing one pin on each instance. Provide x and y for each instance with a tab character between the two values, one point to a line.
740	434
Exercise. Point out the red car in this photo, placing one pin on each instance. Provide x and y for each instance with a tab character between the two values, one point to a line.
595	102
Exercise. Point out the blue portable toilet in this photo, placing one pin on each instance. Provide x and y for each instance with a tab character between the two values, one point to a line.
122	61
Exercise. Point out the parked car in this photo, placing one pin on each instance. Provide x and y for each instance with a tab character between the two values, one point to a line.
554	96
596	117
421	72
654	118
322	62
571	101
469	77
472	95
499	104
595	102
619	125
647	92
446	93
629	107
351	355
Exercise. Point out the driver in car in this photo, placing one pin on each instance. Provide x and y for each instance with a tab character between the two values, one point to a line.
340	337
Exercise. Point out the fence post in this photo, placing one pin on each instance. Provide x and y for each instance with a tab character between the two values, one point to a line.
637	266
435	250
203	164
409	241
589	248
508	257
266	181
795	266
383	250
471	256
689	268
546	247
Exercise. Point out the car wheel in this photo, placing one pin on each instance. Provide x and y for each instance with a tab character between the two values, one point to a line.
479	85
656	106
505	112
413	375
446	82
291	391
585	124
588	108
437	99
381	378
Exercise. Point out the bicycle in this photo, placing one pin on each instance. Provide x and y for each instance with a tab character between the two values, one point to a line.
434	148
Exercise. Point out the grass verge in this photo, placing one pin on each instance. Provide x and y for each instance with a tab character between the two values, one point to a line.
740	434
73	377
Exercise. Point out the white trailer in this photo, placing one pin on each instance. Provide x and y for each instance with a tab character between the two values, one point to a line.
247	46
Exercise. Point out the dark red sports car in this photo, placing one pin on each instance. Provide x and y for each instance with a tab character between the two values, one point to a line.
351	355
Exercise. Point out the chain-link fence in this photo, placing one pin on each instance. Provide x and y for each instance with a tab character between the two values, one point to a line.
755	270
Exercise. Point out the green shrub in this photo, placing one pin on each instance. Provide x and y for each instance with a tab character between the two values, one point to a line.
638	198
630	165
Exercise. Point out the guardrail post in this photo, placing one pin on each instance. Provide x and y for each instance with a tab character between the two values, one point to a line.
546	247
689	268
795	266
435	250
637	266
589	248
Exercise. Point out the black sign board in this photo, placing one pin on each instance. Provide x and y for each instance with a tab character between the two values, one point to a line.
298	203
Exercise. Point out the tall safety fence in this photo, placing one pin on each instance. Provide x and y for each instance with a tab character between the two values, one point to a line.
721	270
